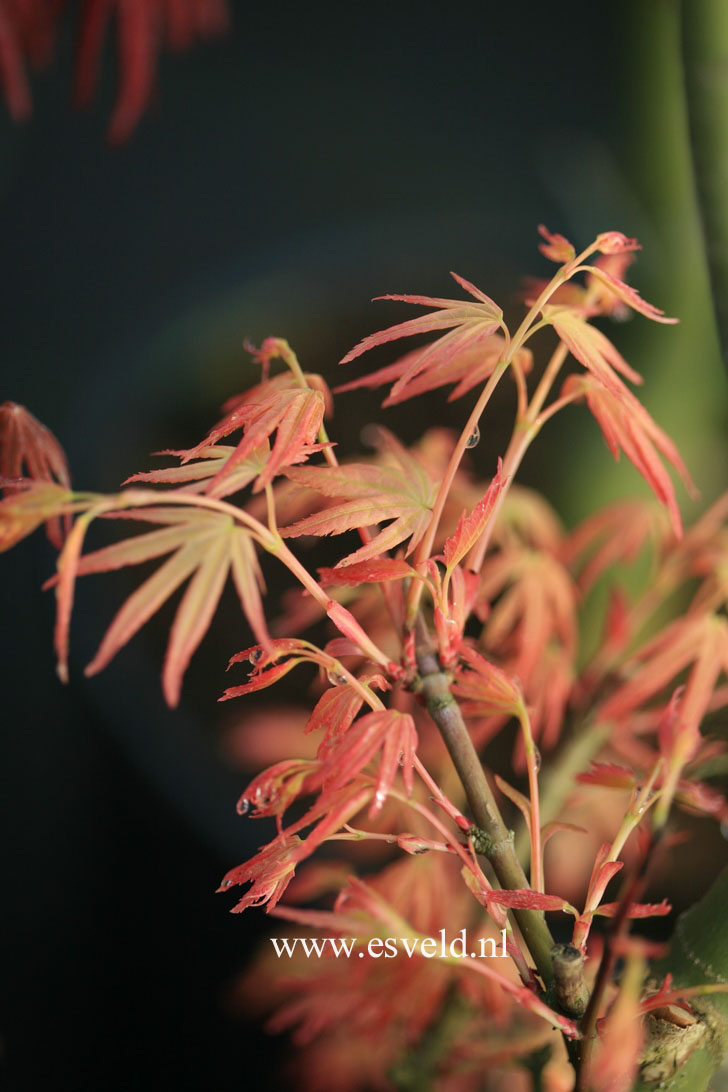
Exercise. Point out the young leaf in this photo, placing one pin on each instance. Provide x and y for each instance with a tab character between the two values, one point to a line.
466	369
628	294
213	462
468	323
628	427
29	449
206	545
365	572
591	348
402	492
471	527
278	405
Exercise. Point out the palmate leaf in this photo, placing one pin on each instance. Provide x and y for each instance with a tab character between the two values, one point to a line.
205	546
370	494
471	527
591	348
463	370
628	427
467	323
213	462
30	450
295	414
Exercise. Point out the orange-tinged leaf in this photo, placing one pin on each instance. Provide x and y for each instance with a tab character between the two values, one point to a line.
260	681
194	614
609	775
557	248
628	294
526	899
591	348
143	603
628	427
636	909
31	503
278	405
402	492
468	324
471	527
466	369
205	546
248	581
214	462
335	710
366	572
29	449
522	802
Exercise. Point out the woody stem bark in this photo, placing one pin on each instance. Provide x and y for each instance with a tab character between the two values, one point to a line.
445	711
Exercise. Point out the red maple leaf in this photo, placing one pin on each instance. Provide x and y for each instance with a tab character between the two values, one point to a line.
400	491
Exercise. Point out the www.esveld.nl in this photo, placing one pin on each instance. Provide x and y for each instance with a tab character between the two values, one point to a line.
391	947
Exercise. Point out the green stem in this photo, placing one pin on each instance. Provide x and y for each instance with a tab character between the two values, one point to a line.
444	710
705	58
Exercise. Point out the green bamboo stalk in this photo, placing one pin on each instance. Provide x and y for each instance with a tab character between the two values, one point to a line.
705	59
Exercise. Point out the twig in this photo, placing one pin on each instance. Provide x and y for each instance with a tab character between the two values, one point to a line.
444	710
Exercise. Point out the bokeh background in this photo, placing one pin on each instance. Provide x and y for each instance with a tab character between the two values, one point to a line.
313	158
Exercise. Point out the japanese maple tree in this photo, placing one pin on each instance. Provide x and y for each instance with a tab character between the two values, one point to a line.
454	617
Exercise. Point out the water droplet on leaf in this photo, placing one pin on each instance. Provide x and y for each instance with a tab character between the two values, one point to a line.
336	678
243	806
401	758
256	656
474	438
537	759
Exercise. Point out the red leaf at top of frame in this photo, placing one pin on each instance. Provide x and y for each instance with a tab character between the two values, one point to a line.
141	27
401	491
556	248
29	449
471	527
467	323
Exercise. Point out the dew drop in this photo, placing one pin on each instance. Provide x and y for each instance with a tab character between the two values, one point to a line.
227	883
256	656
336	678
243	806
474	438
401	758
537	759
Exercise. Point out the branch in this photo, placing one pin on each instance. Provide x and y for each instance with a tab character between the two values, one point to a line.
444	710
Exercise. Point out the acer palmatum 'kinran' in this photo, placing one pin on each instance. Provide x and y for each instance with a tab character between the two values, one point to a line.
454	615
